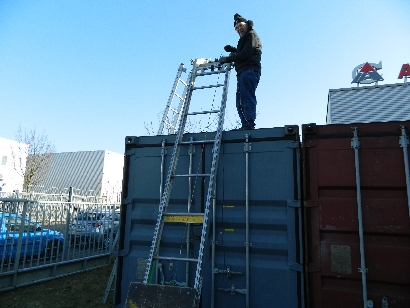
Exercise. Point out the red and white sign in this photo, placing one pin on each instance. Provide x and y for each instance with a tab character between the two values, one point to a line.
405	71
367	74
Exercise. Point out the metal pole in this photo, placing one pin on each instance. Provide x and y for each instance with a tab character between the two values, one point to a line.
19	241
301	256
188	238
213	252
247	244
404	142
355	144
163	153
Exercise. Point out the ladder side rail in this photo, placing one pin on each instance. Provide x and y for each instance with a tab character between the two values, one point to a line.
180	106
168	185
171	97
211	184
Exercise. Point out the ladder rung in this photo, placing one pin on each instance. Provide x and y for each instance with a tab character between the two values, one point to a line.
211	73
175	259
208	87
182	214
198	142
204	112
191	175
180	97
169	125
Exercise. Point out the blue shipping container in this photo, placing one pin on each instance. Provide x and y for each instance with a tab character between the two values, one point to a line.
253	254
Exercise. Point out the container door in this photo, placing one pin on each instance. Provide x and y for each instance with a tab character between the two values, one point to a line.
255	261
337	277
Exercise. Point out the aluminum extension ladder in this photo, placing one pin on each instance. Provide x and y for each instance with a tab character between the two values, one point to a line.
172	115
201	67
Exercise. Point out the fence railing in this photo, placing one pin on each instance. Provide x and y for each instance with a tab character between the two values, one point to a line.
40	193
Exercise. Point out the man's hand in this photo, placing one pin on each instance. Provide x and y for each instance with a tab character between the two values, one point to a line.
229	48
222	60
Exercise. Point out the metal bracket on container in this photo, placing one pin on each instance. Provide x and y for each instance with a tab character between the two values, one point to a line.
163	148
355	142
247	145
308	144
171	266
293	145
191	149
233	290
385	303
404	141
362	270
293	203
296	267
227	271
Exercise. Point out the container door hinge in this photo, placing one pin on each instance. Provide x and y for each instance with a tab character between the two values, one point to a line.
296	267
310	203
123	253
293	145
294	203
369	304
385	303
308	144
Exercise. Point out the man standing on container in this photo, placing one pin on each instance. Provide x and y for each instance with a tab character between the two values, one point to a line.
247	58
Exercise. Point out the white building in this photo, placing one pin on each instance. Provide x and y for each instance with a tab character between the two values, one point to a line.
13	156
378	103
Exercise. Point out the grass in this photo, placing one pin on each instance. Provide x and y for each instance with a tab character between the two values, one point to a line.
77	291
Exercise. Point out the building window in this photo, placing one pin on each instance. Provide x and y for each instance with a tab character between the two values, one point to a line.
4	160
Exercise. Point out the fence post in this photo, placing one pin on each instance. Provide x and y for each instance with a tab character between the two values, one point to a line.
19	241
67	224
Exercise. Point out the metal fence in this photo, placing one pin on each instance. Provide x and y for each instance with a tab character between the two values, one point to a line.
41	240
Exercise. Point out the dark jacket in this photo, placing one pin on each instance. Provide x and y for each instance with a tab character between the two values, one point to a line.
249	51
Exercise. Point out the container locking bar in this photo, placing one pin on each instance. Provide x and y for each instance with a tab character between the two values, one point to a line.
404	143
355	144
233	290
227	271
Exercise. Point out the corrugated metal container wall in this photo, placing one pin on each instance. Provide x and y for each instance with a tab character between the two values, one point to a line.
342	175
272	159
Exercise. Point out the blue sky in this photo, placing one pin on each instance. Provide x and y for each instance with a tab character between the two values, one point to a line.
89	73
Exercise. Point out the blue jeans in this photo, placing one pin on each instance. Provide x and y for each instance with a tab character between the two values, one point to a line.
245	97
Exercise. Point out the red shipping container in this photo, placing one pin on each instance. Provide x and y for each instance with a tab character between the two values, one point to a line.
341	175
